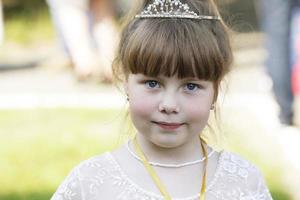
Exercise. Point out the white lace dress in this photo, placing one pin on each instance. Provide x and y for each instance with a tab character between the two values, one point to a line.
235	179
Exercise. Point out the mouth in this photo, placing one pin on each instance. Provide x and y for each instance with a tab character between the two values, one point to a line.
168	125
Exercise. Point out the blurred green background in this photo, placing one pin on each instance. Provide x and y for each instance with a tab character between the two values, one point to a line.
38	147
27	21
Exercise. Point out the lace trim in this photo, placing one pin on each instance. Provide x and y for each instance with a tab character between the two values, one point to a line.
116	165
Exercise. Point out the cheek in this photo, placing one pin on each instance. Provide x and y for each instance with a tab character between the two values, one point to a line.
198	113
141	106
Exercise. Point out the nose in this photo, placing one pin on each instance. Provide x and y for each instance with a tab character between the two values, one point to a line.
168	104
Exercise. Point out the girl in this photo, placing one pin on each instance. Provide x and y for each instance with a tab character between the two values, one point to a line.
172	56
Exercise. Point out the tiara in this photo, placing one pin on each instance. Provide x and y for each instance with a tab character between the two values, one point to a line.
172	9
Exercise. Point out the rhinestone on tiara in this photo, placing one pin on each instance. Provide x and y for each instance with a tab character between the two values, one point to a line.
172	9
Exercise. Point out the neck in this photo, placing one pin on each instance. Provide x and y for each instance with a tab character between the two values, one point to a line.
189	151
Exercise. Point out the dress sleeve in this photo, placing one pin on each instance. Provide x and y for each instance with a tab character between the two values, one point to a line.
70	188
240	179
259	188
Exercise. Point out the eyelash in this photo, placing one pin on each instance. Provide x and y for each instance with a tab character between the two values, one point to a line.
196	86
147	82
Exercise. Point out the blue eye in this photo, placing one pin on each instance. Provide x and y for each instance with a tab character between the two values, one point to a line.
152	84
192	87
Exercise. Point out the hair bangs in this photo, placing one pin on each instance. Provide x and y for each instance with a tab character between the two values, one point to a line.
173	47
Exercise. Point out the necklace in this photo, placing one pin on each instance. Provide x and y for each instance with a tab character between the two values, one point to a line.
156	179
169	165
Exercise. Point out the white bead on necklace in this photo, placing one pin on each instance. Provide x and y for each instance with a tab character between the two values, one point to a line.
169	165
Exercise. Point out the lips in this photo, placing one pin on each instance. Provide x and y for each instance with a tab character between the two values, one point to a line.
168	126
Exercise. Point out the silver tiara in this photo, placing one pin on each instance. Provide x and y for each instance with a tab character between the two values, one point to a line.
172	9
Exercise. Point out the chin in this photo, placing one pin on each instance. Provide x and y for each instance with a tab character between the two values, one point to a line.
167	141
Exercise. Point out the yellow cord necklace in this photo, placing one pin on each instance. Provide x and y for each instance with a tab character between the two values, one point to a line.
155	177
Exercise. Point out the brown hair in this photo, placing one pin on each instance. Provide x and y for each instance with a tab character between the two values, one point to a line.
182	47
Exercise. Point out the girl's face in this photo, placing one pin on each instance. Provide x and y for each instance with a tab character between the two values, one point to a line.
169	112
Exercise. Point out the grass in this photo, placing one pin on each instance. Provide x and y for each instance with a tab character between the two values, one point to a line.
40	146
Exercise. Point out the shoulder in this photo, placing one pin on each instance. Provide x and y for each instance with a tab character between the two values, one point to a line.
238	174
93	165
91	172
235	165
